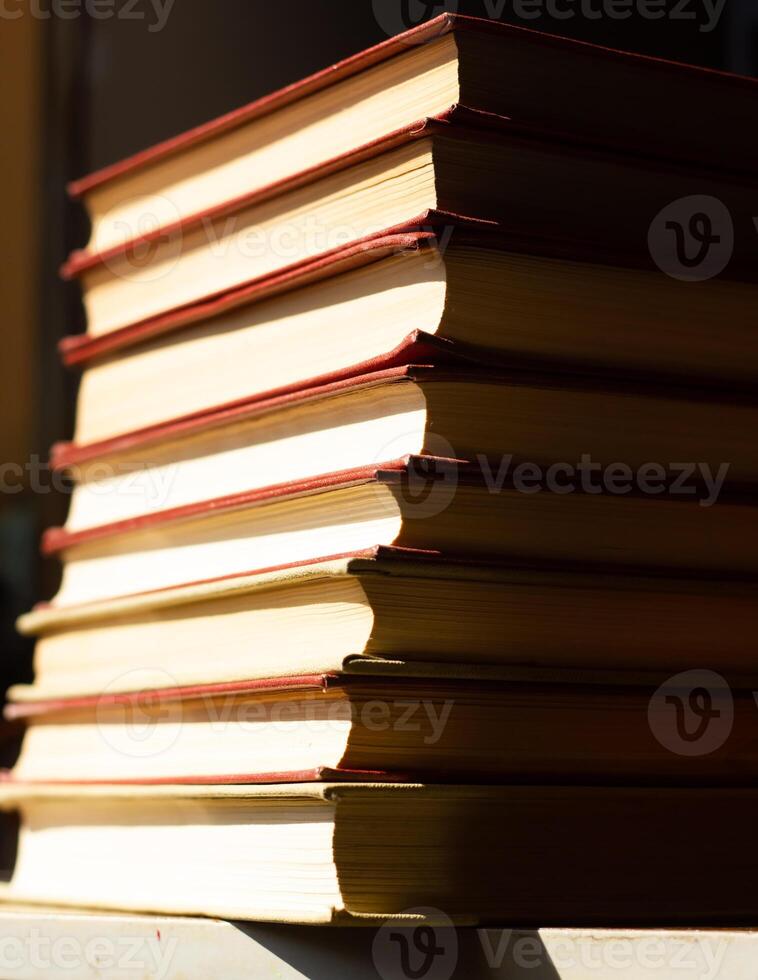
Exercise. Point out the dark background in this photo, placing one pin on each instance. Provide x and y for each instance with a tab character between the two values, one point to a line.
76	94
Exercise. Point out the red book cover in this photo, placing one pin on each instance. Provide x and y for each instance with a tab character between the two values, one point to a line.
68	454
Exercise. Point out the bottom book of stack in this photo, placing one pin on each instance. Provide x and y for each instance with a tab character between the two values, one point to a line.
362	852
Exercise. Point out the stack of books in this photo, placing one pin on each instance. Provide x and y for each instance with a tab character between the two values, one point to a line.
407	488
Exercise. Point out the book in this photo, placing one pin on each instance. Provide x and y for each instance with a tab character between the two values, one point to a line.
461	301
340	726
376	611
487	417
543	81
359	853
477	173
